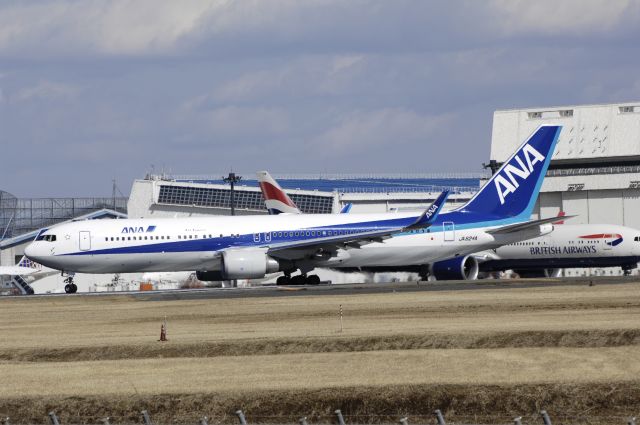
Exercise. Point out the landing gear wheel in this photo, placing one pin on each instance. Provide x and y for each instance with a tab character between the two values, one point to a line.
314	279
283	280
70	287
299	279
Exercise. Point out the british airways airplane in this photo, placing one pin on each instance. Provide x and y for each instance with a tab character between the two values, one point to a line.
568	246
249	247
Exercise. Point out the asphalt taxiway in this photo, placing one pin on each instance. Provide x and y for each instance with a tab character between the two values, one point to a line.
353	289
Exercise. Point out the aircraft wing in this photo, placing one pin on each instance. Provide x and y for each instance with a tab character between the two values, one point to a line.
518	227
356	240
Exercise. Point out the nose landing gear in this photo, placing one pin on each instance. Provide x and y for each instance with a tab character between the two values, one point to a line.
70	287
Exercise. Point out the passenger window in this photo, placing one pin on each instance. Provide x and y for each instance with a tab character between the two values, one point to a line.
129	238
111	239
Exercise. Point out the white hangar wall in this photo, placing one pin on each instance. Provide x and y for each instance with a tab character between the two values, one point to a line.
595	170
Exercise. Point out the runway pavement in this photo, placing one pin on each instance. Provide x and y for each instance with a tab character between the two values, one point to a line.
352	289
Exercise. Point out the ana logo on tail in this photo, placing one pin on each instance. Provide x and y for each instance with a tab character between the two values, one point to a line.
506	182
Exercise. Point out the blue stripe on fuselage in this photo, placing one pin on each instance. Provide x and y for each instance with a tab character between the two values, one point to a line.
289	236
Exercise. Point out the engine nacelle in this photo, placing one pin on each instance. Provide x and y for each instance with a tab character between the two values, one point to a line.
458	268
539	273
242	264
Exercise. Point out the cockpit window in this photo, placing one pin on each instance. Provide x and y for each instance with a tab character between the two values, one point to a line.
637	239
46	238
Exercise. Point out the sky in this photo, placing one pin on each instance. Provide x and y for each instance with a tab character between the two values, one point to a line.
95	90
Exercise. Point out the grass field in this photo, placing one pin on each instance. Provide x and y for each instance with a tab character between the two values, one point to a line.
532	346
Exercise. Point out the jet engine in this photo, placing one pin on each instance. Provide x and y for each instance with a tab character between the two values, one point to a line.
458	268
242	264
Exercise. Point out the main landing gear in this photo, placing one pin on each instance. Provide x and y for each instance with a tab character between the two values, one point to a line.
70	287
301	279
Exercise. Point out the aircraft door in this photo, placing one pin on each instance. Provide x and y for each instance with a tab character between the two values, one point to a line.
449	231
267	237
85	240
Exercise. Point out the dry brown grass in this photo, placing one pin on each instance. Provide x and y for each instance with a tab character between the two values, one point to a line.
60	322
593	403
399	352
330	344
321	370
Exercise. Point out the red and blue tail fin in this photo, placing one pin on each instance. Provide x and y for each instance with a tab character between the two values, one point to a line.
276	200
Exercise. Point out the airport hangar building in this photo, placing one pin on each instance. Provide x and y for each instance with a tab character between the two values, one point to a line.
594	174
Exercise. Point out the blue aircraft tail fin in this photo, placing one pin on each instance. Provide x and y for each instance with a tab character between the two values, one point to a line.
429	216
513	190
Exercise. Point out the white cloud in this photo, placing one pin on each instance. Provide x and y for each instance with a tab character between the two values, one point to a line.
305	76
383	127
119	27
563	17
241	121
47	90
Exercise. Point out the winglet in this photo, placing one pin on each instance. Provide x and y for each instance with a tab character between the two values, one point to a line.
346	208
429	215
276	200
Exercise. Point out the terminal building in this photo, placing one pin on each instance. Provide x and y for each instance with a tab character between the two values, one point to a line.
594	174
163	196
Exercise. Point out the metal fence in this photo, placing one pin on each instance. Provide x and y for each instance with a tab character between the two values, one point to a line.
622	169
399	189
22	215
542	417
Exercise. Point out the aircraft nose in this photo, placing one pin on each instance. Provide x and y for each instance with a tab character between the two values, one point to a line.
31	251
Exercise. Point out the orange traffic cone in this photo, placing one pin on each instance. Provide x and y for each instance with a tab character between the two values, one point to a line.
163	332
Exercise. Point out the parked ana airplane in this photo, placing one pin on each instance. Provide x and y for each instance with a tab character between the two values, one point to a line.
246	247
568	246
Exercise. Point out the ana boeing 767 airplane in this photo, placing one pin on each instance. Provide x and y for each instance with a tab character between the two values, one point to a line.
248	247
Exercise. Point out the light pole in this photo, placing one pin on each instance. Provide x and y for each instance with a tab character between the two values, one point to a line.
232	179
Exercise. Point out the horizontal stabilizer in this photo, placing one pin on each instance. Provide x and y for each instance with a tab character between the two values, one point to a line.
526	225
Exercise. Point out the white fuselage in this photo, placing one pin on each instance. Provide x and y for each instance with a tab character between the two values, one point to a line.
577	245
193	244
